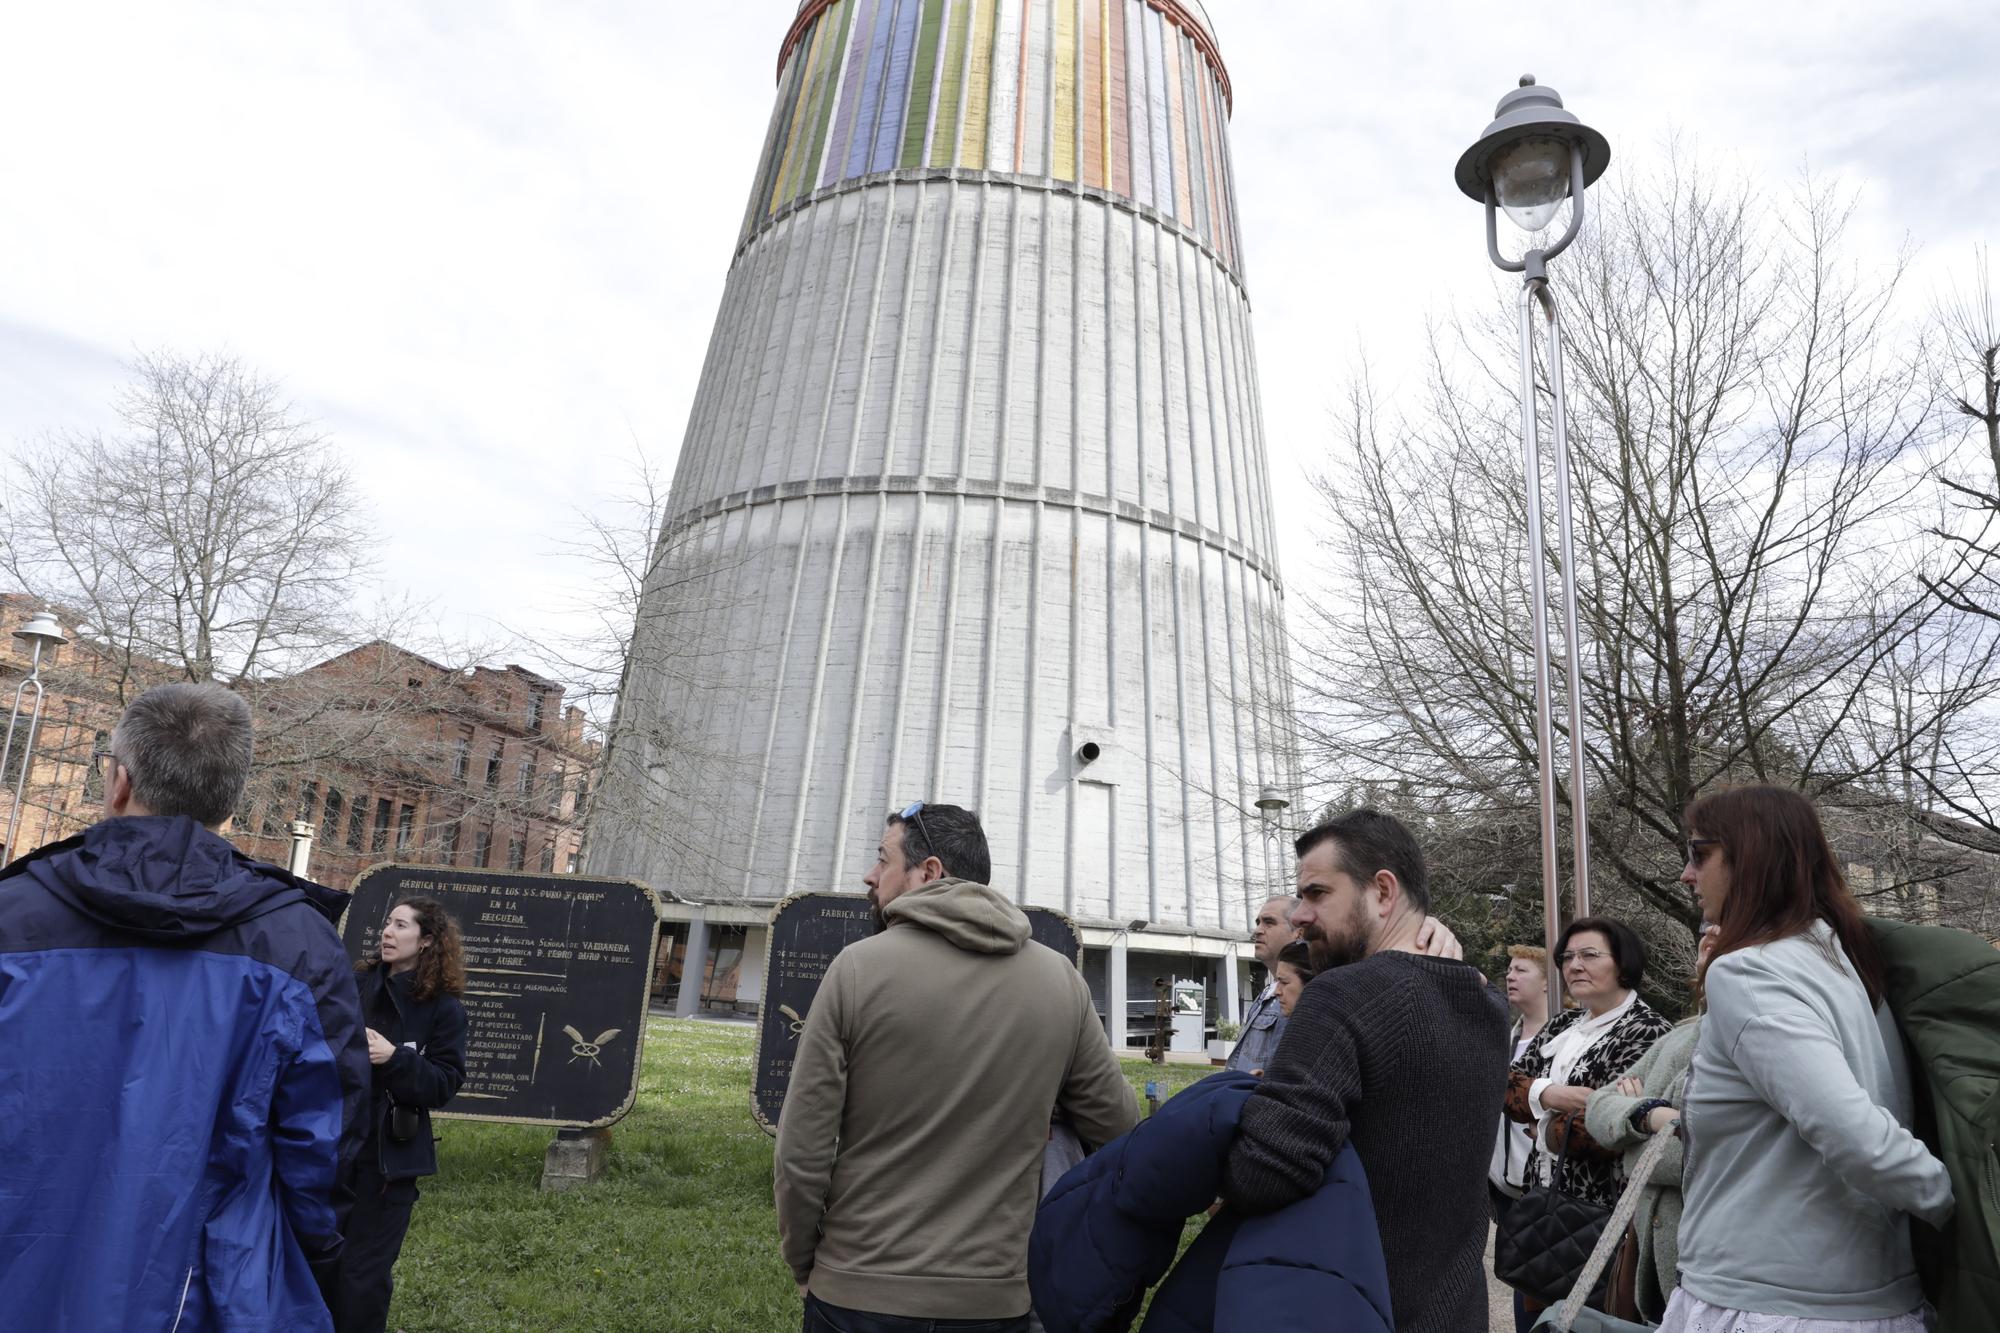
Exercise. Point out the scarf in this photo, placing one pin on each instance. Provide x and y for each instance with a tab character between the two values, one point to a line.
1565	1050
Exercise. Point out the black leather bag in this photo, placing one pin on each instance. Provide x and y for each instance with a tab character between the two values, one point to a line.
404	1122
1545	1240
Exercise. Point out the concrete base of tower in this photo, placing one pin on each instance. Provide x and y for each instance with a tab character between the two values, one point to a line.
711	964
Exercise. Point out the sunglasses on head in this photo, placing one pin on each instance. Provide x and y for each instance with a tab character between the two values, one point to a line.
915	810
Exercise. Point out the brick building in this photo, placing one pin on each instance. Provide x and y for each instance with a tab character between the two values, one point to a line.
388	754
482	767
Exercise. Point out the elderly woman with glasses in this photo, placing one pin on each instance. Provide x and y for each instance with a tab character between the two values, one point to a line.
1581	1050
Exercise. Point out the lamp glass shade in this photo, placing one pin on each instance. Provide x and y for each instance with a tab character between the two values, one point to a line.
1531	178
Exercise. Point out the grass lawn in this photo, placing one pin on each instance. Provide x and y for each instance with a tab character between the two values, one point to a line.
678	1234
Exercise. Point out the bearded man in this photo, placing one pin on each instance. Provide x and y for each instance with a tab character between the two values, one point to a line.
1402	1054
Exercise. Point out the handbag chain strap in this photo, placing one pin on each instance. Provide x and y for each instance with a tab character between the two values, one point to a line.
1614	1230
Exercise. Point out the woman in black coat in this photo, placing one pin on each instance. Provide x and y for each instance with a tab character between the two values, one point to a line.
416	1045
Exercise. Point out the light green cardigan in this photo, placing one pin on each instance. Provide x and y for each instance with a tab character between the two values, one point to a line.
1663	1069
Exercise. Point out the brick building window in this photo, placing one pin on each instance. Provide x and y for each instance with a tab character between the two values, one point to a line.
406	827
526	784
461	757
482	846
449	844
517	853
572	863
557	777
357	823
383	808
537	701
308	800
582	795
548	857
329	823
493	764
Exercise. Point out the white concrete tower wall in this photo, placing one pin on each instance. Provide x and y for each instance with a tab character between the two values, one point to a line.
975	474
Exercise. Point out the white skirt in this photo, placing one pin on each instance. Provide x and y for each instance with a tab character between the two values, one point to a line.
1687	1314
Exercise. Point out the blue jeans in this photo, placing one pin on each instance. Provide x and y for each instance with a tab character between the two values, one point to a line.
824	1318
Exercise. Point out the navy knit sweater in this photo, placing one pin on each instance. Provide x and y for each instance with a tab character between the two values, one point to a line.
1407	1058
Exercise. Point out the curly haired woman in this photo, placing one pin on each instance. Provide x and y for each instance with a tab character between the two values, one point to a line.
416	1044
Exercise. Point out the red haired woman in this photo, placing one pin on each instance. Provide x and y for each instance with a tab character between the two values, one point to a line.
1801	1168
416	1043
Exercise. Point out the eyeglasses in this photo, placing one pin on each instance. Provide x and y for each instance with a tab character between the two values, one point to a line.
98	756
915	810
1581	956
1699	848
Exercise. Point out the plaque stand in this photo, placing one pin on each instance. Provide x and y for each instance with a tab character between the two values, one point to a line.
576	1157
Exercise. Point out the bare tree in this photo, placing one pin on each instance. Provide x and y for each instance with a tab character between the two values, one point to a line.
1744	439
217	535
1967	337
645	588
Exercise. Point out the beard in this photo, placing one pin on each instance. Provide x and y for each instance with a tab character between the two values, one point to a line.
1346	943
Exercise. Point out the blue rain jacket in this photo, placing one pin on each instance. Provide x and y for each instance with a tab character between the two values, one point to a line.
1112	1225
183	1073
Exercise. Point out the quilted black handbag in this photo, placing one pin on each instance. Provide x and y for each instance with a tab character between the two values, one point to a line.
1546	1238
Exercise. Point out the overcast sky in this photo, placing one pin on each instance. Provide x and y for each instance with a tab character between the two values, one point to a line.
483	243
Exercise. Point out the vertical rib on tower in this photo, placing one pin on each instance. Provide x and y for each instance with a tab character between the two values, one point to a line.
975	474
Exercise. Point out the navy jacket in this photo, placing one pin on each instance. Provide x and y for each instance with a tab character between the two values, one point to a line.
1112	1226
182	1076
423	1074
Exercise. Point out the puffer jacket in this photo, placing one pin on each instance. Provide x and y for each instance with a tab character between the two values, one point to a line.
1112	1226
183	1078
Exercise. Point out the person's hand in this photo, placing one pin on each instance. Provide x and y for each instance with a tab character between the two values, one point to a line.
1256	1073
802	1288
1565	1098
380	1048
1660	1117
1435	940
1631	1087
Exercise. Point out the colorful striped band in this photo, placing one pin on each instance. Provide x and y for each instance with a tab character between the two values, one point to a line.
1125	96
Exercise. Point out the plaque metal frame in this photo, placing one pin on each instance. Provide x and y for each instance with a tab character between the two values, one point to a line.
645	977
770	938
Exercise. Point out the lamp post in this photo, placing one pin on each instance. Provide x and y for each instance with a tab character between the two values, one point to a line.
1533	156
41	633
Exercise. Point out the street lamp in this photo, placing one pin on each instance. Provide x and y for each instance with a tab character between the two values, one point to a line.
1533	156
41	634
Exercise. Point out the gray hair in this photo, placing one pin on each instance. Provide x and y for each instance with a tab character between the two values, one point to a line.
188	750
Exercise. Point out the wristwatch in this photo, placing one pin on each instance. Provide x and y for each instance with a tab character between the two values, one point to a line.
1645	1109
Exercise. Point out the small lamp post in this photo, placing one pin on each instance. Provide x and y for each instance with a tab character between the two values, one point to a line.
299	861
1533	156
41	634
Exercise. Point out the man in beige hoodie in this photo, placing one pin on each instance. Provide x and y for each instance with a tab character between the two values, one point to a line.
910	1146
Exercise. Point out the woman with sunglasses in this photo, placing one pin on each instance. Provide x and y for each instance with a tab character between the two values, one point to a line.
1580	1050
1802	1173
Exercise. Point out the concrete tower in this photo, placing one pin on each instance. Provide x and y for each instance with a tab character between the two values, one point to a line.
973	504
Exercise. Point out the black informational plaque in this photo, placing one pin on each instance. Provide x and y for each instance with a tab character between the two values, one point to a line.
807	930
557	972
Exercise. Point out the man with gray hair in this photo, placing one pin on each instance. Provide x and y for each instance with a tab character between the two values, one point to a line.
1263	1023
183	1060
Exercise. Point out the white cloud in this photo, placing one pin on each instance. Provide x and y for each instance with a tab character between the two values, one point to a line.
485	243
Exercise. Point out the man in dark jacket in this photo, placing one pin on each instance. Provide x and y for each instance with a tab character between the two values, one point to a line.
182	1062
1401	1055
